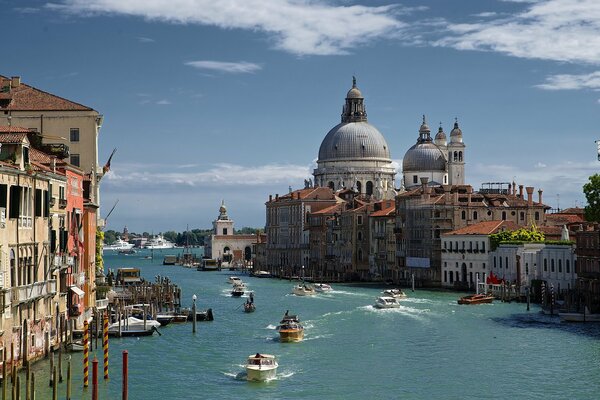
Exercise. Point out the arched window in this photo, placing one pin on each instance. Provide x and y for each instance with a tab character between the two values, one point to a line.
503	215
463	214
456	156
13	272
559	265
506	259
359	236
500	261
545	265
331	185
359	255
522	214
369	188
474	214
552	265
494	261
537	215
358	187
568	267
460	156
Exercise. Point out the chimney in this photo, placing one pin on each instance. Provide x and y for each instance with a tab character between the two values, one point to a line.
521	191
15	81
469	193
276	196
540	196
529	190
425	194
270	198
447	194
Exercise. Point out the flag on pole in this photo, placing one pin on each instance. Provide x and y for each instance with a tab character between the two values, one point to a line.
106	167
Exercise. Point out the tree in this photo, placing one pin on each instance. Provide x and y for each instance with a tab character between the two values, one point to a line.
592	195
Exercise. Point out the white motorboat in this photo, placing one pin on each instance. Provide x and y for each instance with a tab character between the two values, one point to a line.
387	302
261	367
133	327
323	287
158	242
234	279
397	293
303	290
118	245
261	274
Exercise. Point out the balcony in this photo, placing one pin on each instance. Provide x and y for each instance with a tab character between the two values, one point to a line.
25	293
62	203
52	201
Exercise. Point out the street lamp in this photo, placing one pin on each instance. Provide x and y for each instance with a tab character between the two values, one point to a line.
194	313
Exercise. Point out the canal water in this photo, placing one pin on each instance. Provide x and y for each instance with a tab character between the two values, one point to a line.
430	348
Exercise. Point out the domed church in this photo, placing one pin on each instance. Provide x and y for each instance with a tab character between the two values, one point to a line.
440	162
355	155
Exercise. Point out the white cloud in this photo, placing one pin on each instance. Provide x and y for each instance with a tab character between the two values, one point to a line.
241	67
571	82
486	14
163	102
300	27
560	30
148	175
143	39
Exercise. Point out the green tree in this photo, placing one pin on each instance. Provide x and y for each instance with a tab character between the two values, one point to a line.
110	236
592	195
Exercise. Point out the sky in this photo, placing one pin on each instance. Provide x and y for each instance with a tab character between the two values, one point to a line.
229	100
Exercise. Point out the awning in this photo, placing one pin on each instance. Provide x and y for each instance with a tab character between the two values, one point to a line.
77	291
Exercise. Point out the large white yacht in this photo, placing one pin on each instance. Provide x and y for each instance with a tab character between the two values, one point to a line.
159	242
117	245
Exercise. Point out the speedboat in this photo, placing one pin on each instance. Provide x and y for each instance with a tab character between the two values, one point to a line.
397	293
261	367
260	274
234	279
303	290
238	291
476	299
133	327
323	287
387	302
290	329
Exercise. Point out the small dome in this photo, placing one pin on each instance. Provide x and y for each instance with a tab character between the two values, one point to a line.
424	127
440	135
424	156
353	140
456	130
354	93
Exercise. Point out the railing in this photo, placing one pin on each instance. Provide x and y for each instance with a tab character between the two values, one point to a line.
101	304
22	294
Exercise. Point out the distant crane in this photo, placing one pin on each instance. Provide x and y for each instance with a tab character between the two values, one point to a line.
110	212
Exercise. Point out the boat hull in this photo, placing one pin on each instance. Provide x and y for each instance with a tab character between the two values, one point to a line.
261	374
291	335
475	299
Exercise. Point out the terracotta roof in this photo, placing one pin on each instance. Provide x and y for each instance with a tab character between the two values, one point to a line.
40	156
12	137
485	228
564	219
385	212
329	210
25	97
573	210
15	129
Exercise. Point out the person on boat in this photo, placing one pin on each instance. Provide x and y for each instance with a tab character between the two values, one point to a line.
251	297
287	312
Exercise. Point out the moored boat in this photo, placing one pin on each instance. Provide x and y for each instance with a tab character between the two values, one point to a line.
133	327
290	329
387	302
476	299
164	320
397	293
303	290
323	287
260	274
584	316
205	315
261	367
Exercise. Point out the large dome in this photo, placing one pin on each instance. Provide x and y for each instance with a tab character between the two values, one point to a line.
354	140
424	156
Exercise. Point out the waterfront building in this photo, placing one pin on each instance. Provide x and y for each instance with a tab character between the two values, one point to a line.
587	293
465	253
287	249
382	252
57	120
425	213
323	262
229	248
355	155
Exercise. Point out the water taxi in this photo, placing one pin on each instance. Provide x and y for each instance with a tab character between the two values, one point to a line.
387	302
323	287
303	290
261	367
290	329
476	299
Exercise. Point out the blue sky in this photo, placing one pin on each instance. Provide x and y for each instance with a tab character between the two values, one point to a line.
210	100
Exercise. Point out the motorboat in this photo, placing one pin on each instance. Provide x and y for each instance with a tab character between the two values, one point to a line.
323	287
303	290
164	319
74	346
260	274
204	315
127	251
234	280
261	367
397	293
238	291
117	245
132	326
290	329
476	299
158	242
387	302
249	307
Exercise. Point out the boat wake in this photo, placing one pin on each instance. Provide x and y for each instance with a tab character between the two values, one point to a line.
349	293
408	311
272	327
417	300
307	338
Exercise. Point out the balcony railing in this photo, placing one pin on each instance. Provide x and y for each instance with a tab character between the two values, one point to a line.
25	293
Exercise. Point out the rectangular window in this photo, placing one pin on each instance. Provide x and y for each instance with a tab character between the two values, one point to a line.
359	220
75	159
46	204
15	202
3	193
415	179
74	134
38	203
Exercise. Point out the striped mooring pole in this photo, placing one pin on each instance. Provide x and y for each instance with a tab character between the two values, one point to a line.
105	346
86	353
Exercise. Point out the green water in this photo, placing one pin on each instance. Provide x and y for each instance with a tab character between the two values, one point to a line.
430	348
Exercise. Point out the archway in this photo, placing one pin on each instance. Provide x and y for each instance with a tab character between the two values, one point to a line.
464	272
247	253
358	186
369	190
227	256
